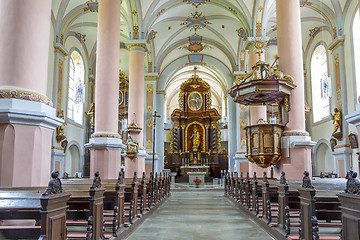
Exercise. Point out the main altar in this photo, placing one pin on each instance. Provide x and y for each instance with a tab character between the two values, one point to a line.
195	135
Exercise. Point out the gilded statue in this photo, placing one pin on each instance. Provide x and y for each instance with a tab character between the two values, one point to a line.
60	130
132	148
337	121
195	137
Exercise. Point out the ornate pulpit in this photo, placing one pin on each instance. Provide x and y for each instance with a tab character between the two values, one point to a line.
265	85
195	136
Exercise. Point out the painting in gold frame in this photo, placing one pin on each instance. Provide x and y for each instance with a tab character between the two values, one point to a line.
195	101
353	141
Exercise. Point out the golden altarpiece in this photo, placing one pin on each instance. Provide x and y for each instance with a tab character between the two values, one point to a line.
195	136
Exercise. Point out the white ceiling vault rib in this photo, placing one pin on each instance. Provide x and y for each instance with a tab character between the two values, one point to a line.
218	39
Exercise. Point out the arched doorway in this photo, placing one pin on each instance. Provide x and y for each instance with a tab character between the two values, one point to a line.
323	159
73	160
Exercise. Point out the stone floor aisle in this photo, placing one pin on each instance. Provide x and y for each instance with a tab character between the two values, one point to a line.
194	214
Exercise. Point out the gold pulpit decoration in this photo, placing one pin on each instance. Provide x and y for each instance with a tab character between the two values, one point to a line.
263	144
265	85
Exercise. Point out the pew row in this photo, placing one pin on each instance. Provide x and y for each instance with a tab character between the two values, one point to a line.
295	209
97	209
44	213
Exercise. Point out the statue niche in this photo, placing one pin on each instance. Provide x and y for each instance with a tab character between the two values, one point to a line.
195	138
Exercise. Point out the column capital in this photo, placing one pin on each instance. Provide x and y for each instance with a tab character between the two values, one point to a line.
24	94
160	92
339	41
60	49
137	45
151	76
250	42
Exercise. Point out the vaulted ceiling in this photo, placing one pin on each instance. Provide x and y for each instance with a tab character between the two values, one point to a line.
207	33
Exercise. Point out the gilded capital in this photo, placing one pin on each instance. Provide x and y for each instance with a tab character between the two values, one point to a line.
137	47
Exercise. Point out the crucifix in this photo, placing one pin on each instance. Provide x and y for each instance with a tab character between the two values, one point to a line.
154	124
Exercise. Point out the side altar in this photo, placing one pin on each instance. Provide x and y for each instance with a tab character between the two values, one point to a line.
195	136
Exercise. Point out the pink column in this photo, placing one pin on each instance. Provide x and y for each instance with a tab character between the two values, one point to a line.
291	57
136	105
105	144
27	118
24	45
291	63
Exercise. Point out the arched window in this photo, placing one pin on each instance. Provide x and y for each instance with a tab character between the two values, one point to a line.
320	84
76	89
356	40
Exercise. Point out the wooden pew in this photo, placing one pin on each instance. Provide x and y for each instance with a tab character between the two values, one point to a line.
288	199
142	198
314	208
86	209
47	208
131	199
350	208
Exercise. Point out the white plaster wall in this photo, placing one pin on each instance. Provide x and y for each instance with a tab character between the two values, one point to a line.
75	132
323	129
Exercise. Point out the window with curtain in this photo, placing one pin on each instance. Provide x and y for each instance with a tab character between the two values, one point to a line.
356	40
76	88
320	84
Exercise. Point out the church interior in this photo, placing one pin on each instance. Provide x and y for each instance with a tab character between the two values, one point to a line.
149	96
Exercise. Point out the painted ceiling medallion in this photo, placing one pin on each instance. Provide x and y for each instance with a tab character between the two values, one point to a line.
196	3
195	44
196	21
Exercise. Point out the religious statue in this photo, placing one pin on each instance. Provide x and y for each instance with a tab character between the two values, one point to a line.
352	183
96	181
195	137
54	186
283	179
132	148
337	120
306	180
60	130
60	136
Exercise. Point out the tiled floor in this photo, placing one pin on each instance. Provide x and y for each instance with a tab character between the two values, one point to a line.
198	214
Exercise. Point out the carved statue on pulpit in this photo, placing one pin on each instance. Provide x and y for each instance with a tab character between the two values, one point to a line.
195	139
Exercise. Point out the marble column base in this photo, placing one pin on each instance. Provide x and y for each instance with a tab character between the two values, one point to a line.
135	165
26	129
105	156
242	164
296	157
149	163
342	160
